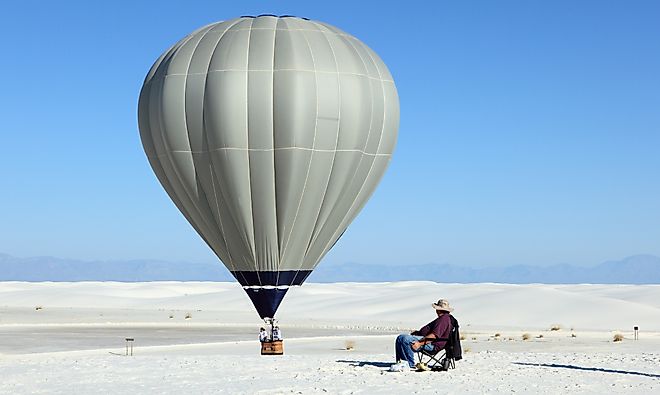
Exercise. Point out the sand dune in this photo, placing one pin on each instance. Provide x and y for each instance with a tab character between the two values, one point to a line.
68	337
402	304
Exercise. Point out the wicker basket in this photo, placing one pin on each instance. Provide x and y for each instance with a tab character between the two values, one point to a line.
275	347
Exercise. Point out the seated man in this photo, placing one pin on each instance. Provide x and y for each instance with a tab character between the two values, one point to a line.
277	333
263	335
407	345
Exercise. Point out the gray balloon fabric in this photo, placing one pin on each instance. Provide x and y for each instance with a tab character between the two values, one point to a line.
269	134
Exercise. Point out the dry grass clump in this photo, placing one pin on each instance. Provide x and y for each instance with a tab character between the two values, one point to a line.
462	337
555	328
171	316
39	308
467	349
188	316
526	336
573	335
498	334
349	345
617	337
539	336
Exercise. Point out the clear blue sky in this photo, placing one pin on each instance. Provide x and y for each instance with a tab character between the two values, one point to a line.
530	131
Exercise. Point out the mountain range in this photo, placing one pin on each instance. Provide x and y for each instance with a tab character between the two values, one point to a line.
637	269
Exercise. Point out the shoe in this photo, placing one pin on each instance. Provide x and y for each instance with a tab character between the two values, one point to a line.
400	366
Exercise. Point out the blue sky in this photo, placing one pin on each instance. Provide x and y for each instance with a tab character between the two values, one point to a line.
530	131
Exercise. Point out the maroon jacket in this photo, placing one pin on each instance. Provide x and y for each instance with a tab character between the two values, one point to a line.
441	327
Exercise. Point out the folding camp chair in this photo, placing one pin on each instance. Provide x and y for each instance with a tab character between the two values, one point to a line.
441	360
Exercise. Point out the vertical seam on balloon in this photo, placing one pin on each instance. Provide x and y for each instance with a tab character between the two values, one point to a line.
215	47
165	144
247	153
352	180
217	208
272	117
311	158
222	231
185	121
380	139
334	155
316	93
218	223
334	55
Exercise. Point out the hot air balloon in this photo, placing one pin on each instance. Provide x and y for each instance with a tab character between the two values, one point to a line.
269	134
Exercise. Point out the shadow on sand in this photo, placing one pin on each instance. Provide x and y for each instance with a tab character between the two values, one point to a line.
554	365
366	363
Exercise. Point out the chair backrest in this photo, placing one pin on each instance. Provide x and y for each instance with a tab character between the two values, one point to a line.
453	347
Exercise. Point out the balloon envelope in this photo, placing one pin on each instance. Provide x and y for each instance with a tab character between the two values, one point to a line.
269	134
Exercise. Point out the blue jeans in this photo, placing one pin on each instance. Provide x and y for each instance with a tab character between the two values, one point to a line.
404	350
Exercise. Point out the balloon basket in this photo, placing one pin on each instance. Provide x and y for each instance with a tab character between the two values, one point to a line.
274	347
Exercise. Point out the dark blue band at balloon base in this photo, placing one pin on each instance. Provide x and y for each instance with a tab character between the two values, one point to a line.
286	277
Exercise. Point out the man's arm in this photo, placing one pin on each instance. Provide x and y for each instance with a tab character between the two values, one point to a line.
441	325
426	339
423	331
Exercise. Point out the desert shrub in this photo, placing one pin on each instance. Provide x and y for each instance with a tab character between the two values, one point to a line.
467	349
498	334
39	308
526	336
462	337
573	335
617	337
188	316
349	345
555	328
171	316
474	338
539	336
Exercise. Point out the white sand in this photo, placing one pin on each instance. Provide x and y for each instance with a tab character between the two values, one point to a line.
74	342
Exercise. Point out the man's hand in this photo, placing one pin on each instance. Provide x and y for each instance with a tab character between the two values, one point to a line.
416	345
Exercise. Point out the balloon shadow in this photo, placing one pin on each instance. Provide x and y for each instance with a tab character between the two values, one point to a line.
366	363
555	365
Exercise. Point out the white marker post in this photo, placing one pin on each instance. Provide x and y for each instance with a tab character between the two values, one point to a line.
129	345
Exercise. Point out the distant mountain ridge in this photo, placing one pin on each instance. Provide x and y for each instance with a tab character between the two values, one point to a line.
48	268
637	269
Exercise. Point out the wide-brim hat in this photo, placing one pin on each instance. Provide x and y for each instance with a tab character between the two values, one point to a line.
443	305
